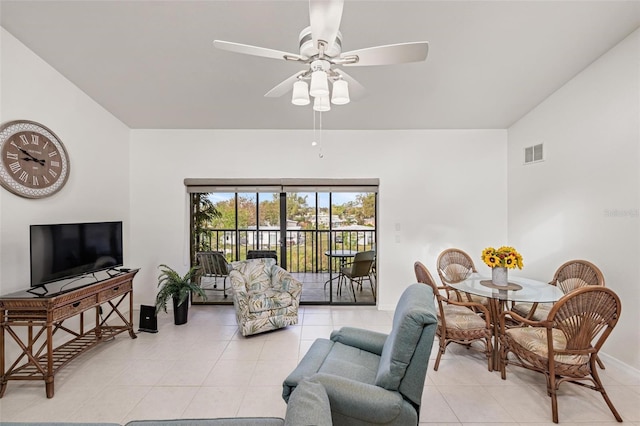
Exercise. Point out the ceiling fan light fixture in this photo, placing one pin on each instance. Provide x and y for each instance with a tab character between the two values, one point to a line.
300	93
321	104
320	47
319	84
340	95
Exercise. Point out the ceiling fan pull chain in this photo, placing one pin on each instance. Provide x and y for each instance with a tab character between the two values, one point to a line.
320	154
314	140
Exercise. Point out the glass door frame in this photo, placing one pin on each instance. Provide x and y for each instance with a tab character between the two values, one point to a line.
317	246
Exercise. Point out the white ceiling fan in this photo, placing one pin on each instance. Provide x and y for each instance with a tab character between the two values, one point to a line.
321	49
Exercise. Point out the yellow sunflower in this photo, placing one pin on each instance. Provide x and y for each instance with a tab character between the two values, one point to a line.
504	256
511	261
492	260
519	263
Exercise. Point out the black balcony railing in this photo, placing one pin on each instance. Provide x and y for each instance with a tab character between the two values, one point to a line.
305	248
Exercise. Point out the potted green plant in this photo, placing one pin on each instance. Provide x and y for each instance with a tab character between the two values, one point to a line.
178	288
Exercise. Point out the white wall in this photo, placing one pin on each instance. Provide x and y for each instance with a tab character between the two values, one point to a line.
583	201
97	144
443	187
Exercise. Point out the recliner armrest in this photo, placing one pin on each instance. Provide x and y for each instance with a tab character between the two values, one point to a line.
308	366
365	402
367	340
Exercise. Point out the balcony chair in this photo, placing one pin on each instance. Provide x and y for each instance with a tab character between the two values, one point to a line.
457	323
261	254
454	265
213	265
266	297
357	271
371	377
573	332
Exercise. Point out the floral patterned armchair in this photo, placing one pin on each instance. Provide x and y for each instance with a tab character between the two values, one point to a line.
266	296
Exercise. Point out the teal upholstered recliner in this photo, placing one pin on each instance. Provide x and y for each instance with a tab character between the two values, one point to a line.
371	377
266	296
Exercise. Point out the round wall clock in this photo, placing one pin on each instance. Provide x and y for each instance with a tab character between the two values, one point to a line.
35	163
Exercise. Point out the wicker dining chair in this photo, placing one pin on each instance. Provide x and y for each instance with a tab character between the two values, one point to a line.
457	323
454	265
573	332
568	277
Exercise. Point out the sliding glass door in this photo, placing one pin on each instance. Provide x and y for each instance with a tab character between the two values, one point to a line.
315	235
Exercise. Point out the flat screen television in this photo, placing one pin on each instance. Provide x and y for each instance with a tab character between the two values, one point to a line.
73	249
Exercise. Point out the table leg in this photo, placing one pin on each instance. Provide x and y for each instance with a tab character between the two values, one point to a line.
3	380
343	262
49	386
330	272
132	333
495	309
48	379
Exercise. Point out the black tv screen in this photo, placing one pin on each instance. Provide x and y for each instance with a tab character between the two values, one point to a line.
72	249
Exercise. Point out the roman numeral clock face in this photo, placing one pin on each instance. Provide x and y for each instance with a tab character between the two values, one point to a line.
35	163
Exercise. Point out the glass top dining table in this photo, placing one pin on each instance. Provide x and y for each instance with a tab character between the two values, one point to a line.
531	291
523	290
343	255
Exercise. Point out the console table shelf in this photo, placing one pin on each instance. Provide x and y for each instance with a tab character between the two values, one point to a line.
41	317
62	355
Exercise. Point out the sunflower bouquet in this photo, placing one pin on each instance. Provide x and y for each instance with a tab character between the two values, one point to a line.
505	256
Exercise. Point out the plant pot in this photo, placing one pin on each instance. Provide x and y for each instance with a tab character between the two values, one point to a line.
180	313
499	276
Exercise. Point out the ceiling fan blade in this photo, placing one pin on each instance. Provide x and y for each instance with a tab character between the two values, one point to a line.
284	87
389	54
257	51
325	16
356	90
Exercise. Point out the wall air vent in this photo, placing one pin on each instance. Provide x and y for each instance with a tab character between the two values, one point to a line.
533	154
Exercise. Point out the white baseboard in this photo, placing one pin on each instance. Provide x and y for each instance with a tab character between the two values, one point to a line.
386	307
608	359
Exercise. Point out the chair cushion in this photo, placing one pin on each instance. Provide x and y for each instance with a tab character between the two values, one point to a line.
351	363
534	339
541	313
410	317
462	319
451	309
478	299
266	300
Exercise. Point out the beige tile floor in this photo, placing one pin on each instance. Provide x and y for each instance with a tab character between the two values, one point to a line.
206	369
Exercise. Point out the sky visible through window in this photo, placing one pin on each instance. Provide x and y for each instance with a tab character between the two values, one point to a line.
338	198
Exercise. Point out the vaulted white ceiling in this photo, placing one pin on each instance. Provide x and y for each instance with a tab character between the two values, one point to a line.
152	63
